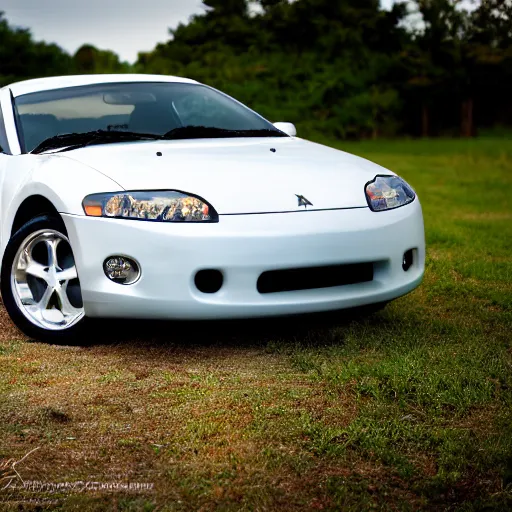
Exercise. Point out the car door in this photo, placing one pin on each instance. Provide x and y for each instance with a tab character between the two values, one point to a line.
4	154
9	151
4	159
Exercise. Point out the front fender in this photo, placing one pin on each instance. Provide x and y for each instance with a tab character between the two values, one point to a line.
63	181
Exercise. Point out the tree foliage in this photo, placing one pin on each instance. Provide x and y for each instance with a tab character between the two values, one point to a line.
345	68
23	58
348	68
89	59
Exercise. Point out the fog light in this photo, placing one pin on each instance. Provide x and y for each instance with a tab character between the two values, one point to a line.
408	260
121	270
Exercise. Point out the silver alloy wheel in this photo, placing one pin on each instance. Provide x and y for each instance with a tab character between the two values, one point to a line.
44	281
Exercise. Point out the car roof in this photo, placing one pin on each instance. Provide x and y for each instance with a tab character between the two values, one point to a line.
59	82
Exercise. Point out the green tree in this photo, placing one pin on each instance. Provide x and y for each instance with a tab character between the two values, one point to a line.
322	64
346	68
490	53
21	57
89	59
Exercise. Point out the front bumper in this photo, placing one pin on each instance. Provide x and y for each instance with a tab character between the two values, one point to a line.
242	248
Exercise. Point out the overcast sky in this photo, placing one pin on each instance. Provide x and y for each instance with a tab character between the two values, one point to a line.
125	26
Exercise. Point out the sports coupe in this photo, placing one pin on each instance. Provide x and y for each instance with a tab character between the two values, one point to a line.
155	197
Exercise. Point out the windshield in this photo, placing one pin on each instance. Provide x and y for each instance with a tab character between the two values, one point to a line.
147	108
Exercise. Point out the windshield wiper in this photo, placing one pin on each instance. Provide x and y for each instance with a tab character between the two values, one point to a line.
71	141
208	132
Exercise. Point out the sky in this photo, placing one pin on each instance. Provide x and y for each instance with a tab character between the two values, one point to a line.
124	26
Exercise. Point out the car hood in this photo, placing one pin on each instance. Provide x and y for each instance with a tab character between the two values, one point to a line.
238	176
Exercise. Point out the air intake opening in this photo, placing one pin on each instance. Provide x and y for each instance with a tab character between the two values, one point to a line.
209	281
314	277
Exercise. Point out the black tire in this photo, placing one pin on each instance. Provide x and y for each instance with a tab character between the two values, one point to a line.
70	335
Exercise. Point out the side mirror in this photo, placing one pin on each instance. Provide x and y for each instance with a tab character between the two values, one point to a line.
288	128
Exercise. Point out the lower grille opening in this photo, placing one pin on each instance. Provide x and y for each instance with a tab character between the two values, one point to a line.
295	279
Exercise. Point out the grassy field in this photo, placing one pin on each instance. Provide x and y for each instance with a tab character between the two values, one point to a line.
408	409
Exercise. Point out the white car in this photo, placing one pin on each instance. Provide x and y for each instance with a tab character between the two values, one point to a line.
155	197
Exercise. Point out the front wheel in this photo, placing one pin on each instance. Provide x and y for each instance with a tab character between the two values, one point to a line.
39	282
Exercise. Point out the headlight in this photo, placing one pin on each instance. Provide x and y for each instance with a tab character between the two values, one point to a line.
158	206
388	192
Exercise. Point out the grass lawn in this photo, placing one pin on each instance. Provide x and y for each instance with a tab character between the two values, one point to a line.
408	409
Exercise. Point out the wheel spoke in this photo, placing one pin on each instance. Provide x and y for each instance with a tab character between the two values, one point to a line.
67	274
45	299
37	270
51	245
66	307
